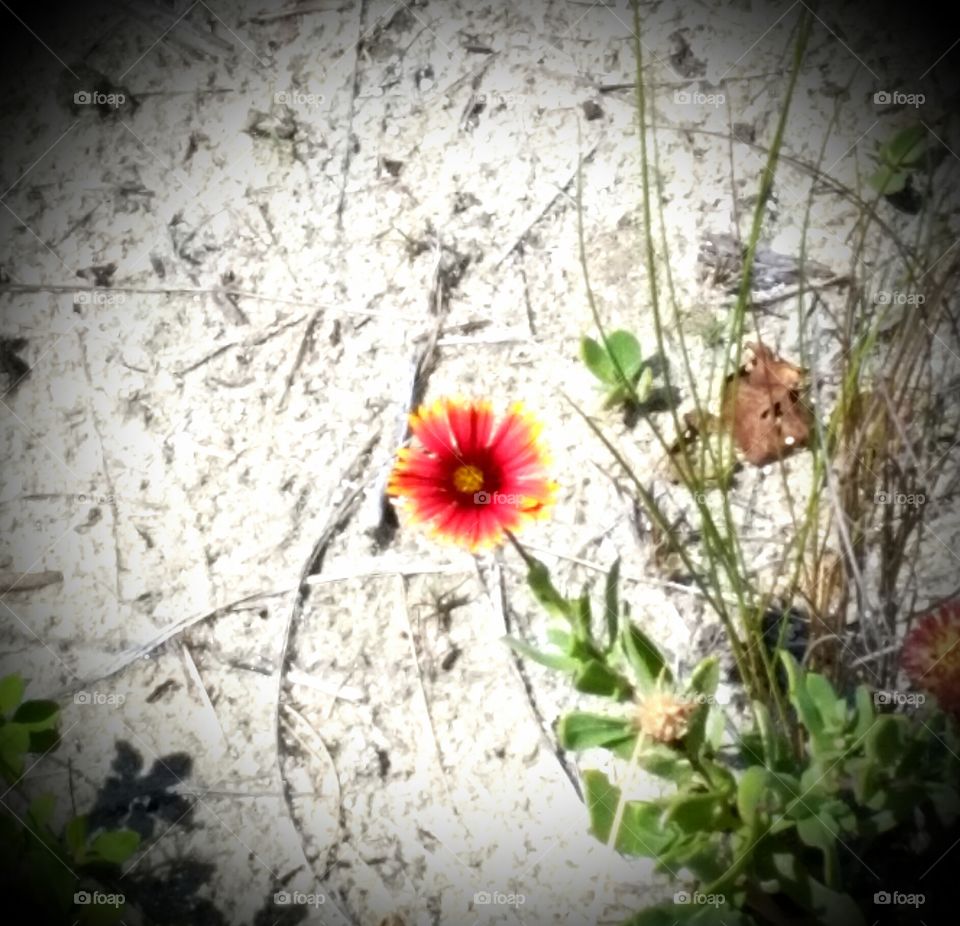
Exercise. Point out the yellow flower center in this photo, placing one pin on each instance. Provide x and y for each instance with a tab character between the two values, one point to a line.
467	479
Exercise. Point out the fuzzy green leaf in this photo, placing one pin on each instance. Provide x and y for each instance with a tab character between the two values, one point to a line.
115	846
750	793
703	682
884	742
887	181
642	655
594	677
907	147
14	743
832	709
820	831
705	677
75	835
640	832
865	712
597	360
550	660
37	715
699	812
799	697
583	730
581	617
622	350
11	692
644	384
538	578
41	809
665	762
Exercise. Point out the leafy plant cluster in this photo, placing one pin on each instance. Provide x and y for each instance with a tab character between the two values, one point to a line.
899	159
769	820
61	874
618	363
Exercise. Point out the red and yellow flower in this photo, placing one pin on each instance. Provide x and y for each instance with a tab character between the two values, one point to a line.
470	478
931	654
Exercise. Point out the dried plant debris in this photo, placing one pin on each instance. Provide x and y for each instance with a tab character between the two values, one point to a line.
763	406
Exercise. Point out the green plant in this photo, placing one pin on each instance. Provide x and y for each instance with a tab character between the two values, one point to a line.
776	812
617	362
898	158
765	818
62	875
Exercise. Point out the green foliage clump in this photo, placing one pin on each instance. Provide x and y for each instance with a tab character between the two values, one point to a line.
770	820
62	875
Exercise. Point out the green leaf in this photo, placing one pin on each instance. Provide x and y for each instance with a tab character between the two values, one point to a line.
640	832
897	157
622	350
594	677
644	384
550	660
597	360
14	743
44	741
704	854
865	778
642	656
664	762
611	602
797	691
719	777
820	831
865	712
705	677
41	809
581	617
616	396
750	793
884	742
37	715
703	682
907	147
831	907
771	745
815	785
715	728
699	812
11	692
875	825
832	709
887	181
115	846
538	578
75	836
581	730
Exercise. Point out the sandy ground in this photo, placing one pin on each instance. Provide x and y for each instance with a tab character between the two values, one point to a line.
280	210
